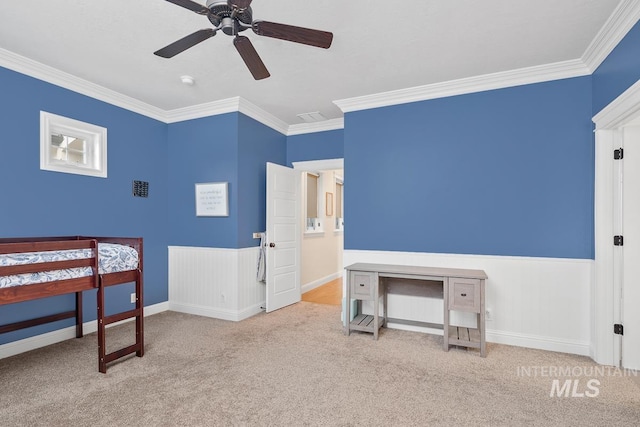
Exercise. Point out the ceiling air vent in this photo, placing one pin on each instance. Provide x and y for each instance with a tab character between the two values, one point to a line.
312	117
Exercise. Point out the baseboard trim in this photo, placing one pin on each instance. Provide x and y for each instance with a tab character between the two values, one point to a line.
216	313
317	283
251	311
53	337
539	342
516	340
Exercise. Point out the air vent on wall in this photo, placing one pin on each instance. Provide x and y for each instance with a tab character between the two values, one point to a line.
140	188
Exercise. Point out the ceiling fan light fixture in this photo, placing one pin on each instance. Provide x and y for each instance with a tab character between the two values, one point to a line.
188	80
233	17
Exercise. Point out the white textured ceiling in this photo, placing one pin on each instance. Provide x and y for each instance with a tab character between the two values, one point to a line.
378	46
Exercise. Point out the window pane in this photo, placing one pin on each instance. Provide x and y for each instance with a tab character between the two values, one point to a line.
68	149
77	151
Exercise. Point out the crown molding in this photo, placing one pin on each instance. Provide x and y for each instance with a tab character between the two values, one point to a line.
522	76
257	113
54	76
325	125
623	18
224	106
229	105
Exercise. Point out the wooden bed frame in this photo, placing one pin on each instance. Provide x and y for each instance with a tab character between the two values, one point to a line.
16	294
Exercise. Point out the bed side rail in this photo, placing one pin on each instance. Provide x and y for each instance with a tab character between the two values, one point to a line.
12	246
16	246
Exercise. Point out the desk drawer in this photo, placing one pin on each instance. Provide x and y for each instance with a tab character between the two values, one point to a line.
464	294
362	285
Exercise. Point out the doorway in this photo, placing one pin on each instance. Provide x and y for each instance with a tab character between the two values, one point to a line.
322	240
616	286
627	254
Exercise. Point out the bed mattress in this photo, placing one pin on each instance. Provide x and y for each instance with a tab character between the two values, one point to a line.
112	258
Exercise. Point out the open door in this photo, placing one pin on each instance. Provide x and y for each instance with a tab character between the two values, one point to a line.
282	237
631	248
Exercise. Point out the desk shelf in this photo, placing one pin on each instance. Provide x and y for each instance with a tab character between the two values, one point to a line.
365	322
464	337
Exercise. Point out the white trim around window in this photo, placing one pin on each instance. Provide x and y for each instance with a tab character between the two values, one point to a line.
72	146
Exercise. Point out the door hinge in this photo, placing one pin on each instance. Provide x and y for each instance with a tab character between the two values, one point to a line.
618	154
618	241
618	329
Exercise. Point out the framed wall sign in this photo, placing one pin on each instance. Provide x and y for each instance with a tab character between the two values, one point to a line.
212	199
329	204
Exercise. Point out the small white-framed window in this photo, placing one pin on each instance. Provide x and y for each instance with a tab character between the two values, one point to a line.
72	146
339	204
313	206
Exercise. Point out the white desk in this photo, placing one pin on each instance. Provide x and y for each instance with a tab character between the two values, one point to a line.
460	289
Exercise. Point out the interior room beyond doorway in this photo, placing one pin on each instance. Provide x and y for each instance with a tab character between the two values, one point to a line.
321	242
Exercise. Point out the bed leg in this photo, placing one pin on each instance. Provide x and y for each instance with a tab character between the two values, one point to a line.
102	364
139	317
79	332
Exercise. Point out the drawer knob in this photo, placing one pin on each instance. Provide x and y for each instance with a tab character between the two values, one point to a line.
361	284
464	295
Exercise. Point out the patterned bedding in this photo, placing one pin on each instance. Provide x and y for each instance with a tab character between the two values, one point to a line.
112	258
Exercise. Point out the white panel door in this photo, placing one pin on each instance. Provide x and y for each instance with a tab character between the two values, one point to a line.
283	237
631	248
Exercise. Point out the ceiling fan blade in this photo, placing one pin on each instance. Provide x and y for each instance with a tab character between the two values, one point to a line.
250	57
290	33
240	4
191	5
185	43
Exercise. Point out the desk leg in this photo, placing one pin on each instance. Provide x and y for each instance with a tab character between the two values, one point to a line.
384	304
347	306
480	321
481	324
445	323
376	307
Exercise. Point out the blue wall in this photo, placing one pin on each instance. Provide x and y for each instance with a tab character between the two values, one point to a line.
619	71
258	144
504	172
44	203
229	148
202	150
315	146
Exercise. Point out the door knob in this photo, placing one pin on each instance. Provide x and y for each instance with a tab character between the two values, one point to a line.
272	245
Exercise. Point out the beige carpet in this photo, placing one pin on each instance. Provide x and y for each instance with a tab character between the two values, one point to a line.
294	367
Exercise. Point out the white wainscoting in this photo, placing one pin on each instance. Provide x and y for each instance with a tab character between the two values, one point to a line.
541	303
43	340
215	282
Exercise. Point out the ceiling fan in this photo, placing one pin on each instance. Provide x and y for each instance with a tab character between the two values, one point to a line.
234	16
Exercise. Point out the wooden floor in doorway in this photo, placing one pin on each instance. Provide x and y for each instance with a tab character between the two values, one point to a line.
329	293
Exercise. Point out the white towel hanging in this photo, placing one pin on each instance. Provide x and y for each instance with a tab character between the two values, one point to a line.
261	274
